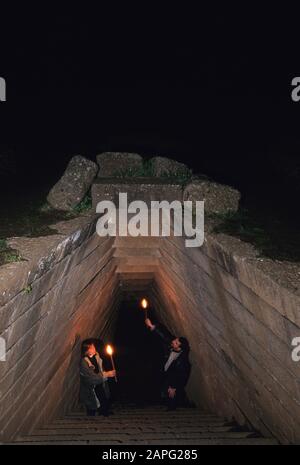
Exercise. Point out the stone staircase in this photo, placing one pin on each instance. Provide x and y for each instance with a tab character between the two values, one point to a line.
149	426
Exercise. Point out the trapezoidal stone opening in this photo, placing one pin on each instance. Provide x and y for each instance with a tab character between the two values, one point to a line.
71	286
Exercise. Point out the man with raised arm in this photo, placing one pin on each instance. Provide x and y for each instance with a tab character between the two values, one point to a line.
175	365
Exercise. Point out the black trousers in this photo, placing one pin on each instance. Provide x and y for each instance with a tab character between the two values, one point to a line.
177	400
102	392
91	413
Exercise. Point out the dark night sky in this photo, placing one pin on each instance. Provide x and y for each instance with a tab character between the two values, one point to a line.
209	88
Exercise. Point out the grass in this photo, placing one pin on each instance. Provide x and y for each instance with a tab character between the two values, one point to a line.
31	218
268	235
84	206
182	175
28	289
7	254
146	170
3	244
34	219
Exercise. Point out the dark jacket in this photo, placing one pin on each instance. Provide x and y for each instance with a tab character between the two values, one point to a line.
178	372
88	380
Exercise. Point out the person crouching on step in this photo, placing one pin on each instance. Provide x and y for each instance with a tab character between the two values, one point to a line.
92	380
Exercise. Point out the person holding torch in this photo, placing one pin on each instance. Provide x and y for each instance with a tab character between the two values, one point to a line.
94	390
176	366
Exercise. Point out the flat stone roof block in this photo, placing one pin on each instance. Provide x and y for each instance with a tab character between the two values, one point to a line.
163	166
119	164
144	189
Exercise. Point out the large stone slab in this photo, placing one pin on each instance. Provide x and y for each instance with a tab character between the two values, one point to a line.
119	164
218	198
163	166
73	185
145	189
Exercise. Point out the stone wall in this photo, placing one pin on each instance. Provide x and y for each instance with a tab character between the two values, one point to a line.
67	290
240	324
239	321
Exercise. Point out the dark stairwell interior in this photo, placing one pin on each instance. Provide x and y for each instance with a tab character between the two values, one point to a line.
138	356
140	417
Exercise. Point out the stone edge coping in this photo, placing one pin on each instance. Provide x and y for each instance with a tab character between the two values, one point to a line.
42	253
235	256
240	260
140	180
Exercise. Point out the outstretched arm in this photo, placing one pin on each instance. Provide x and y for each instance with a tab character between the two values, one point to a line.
149	324
157	330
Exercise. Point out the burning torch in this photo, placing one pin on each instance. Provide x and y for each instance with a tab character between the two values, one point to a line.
109	351
145	305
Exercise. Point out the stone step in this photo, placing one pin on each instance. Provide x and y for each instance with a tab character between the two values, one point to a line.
64	442
139	268
134	285
78	430
137	435
160	415
142	426
133	426
160	411
121	252
145	275
139	418
157	420
198	441
154	416
204	442
141	261
138	242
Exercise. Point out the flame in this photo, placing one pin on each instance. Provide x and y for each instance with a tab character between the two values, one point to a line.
144	303
109	350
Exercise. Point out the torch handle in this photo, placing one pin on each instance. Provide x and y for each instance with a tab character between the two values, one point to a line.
113	367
